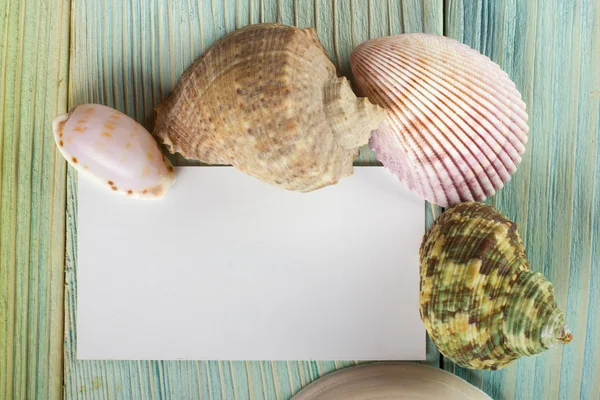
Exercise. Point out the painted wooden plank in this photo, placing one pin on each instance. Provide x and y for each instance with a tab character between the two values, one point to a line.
304	13
395	17
540	111
342	31
33	89
161	41
546	47
574	381
590	384
286	12
325	24
377	21
410	8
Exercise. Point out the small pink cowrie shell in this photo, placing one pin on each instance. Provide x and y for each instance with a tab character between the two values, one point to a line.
113	149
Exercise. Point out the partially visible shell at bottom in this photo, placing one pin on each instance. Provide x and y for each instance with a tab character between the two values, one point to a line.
390	381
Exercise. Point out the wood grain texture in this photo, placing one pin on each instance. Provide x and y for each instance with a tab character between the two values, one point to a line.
34	47
549	49
129	55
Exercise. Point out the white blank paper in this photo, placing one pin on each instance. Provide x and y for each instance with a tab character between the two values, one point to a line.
226	267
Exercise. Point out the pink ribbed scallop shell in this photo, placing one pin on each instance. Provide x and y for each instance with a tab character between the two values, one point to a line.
456	125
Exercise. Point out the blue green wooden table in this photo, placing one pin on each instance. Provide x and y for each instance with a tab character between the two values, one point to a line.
129	54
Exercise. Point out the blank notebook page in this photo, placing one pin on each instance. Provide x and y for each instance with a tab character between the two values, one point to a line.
226	267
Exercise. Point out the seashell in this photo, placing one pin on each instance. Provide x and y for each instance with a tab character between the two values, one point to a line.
481	304
390	381
113	149
456	125
267	100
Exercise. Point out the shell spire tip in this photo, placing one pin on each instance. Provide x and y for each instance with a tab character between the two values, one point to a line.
566	335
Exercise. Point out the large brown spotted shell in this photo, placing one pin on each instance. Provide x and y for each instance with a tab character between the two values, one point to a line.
267	100
481	304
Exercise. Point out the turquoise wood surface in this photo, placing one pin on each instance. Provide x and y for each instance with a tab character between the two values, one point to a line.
130	54
552	52
34	53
